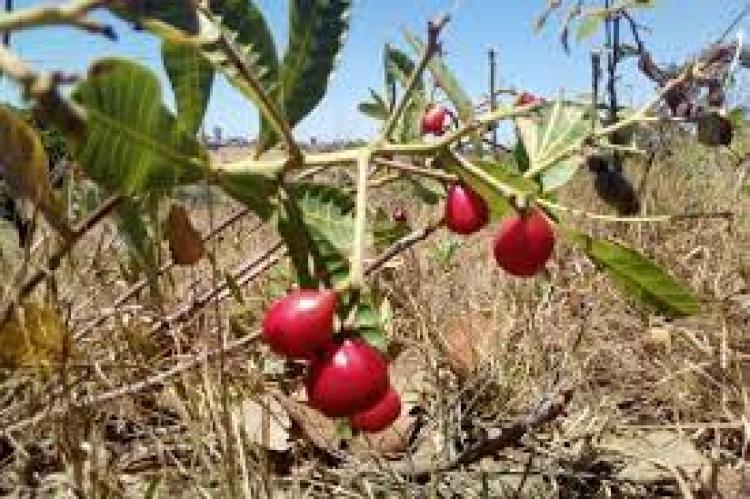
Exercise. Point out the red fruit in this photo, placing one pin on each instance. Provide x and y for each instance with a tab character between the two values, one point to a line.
524	243
433	120
526	99
351	378
300	325
380	416
399	215
465	211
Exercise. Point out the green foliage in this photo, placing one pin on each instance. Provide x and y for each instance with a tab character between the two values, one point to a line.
503	171
253	188
140	241
552	144
386	231
638	276
318	227
317	30
377	108
172	19
123	100
446	80
192	77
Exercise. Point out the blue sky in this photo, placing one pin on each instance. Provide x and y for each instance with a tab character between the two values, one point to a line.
527	60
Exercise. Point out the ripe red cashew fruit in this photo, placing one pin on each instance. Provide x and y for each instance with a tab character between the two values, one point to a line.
380	416
465	210
524	243
352	377
299	325
433	120
527	98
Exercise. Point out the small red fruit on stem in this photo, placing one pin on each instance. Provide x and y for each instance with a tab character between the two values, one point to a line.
380	416
352	377
399	215
433	120
300	325
526	99
524	243
465	211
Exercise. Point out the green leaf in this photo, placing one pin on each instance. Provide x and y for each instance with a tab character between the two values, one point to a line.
172	19
23	167
429	190
588	27
253	188
386	231
327	220
561	173
239	43
317	30
192	77
371	314
373	110
553	144
399	67
132	142
134	230
638	276
390	80
377	109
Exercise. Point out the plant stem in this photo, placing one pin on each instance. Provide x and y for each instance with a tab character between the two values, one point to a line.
357	275
72	13
432	47
416	170
643	219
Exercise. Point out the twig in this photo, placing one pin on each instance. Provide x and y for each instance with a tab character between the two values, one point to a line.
416	170
72	14
403	244
140	285
433	47
55	260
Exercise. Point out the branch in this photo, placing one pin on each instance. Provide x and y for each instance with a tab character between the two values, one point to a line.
72	14
433	47
55	260
416	170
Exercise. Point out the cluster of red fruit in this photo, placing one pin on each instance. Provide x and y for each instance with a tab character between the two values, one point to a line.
525	240
347	378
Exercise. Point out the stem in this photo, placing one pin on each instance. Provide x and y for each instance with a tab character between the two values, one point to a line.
55	260
645	219
432	47
416	170
357	275
72	13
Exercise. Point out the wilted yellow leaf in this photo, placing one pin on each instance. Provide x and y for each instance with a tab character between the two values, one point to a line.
34	336
23	166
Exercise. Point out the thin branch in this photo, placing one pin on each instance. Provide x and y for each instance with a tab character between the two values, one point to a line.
72	14
416	170
55	260
433	47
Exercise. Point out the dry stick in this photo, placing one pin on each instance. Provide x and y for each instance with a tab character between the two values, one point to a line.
140	285
217	294
56	259
546	409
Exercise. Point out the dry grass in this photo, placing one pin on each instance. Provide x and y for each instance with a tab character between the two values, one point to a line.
475	351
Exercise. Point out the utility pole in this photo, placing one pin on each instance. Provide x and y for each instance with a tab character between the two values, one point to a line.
6	35
492	54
